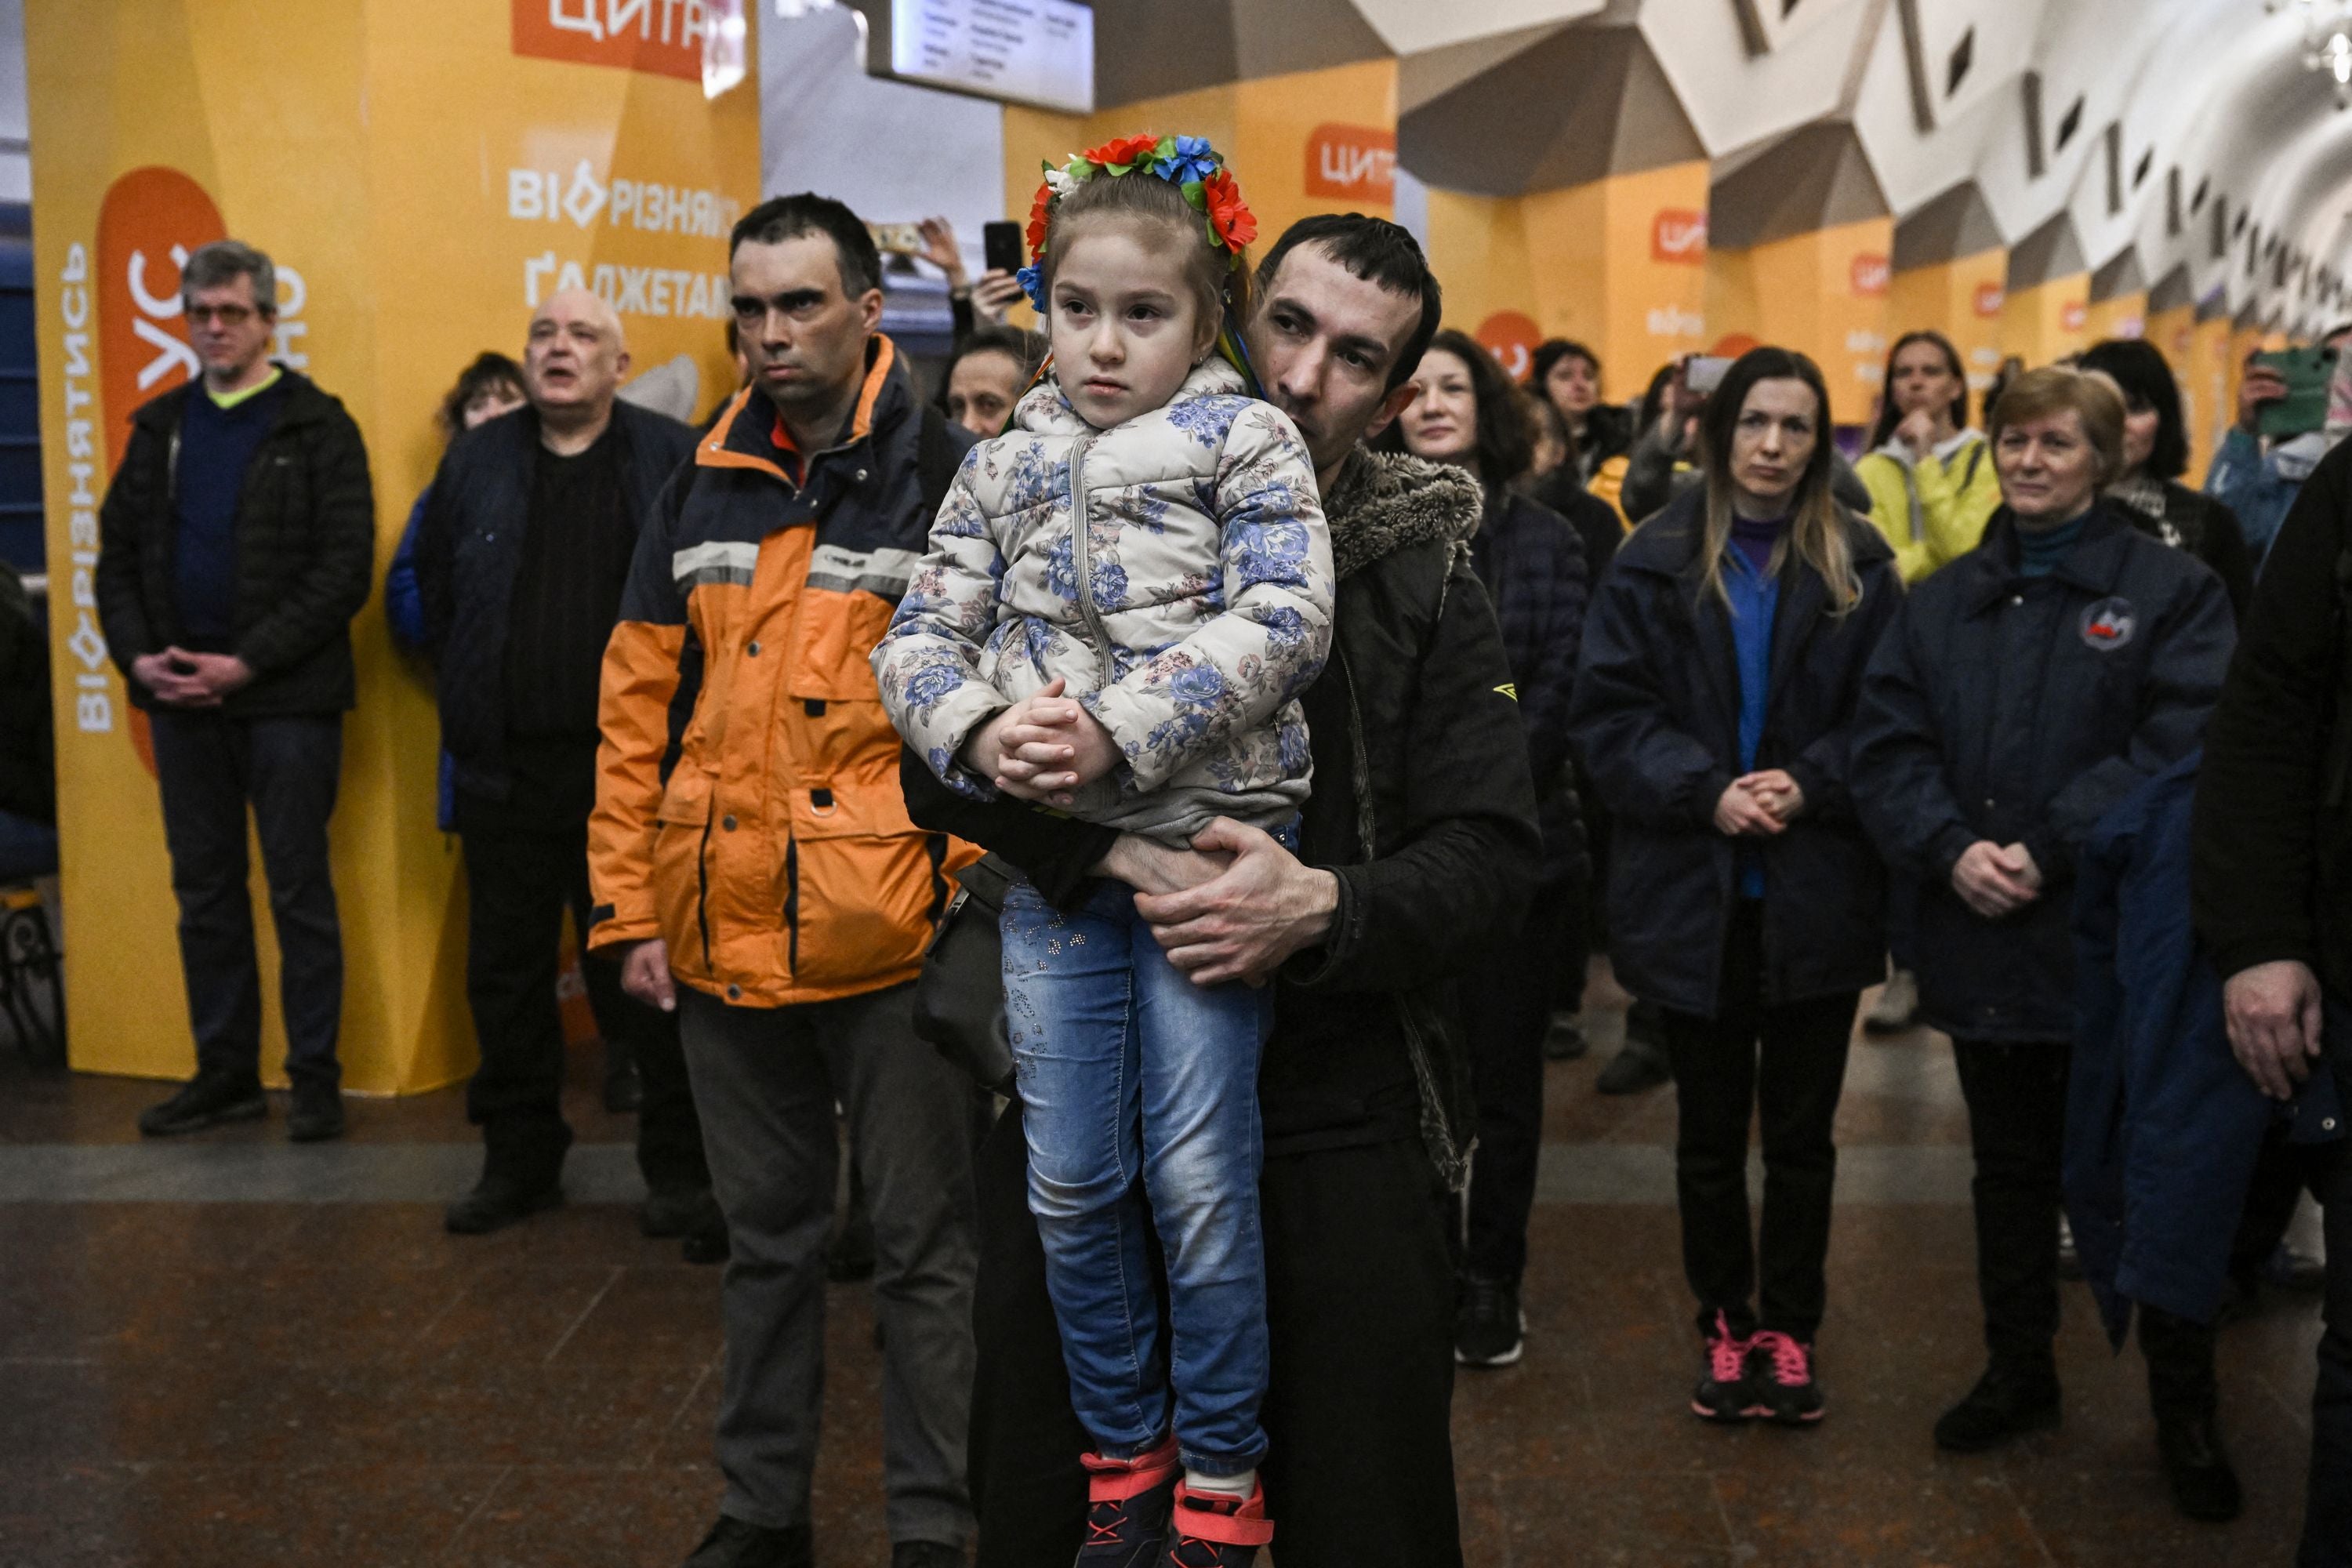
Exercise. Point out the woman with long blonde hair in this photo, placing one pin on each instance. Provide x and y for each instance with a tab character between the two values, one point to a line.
1723	661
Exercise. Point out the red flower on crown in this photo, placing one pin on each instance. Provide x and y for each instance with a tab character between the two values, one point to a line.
1037	218
1230	219
1123	150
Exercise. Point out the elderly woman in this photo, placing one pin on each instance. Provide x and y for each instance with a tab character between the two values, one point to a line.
1723	666
2026	688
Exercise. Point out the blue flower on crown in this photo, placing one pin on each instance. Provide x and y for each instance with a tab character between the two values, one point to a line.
1192	159
1031	279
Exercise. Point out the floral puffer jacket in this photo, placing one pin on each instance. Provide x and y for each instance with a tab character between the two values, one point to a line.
1187	617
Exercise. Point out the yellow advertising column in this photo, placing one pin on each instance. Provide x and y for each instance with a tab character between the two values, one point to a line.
2045	323
1618	264
1962	298
2118	316
424	172
2213	384
1825	293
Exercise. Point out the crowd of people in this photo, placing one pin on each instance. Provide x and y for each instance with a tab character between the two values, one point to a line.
1285	706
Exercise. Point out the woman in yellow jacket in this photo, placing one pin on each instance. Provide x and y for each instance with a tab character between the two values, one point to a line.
1931	479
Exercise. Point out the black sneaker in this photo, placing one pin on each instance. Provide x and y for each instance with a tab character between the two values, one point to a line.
1639	1065
926	1555
732	1543
1566	1041
207	1100
1128	1504
1724	1391
670	1212
2007	1402
1489	1330
499	1200
1780	1378
318	1113
2204	1485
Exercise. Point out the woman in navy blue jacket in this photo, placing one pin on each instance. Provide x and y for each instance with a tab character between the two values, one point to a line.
2029	687
1722	662
1532	563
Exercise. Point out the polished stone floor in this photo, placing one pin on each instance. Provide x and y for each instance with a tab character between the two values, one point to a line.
234	1352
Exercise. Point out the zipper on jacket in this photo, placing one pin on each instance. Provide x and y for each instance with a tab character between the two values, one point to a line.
1081	561
793	905
702	893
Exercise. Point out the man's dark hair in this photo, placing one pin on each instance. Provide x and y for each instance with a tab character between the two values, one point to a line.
1553	351
780	218
489	369
1504	444
1379	252
2137	366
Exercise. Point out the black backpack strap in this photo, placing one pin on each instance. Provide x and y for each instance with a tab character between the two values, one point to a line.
1976	455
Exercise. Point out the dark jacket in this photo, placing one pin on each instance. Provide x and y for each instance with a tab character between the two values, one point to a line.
2273	837
1598	526
1656	714
469	547
1423	810
2207	530
2162	1125
1533	567
305	552
28	783
1608	433
2020	710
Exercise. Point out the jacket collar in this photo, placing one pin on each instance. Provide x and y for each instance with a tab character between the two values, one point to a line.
743	435
1668	545
1046	411
2093	566
1381	502
304	402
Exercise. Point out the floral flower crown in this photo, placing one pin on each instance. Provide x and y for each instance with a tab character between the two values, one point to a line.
1188	162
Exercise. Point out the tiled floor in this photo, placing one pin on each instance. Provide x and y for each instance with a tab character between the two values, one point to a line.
190	1381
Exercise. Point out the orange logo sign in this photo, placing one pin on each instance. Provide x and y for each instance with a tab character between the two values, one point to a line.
1511	337
2075	316
151	219
1678	234
1351	162
662	36
1871	275
1990	298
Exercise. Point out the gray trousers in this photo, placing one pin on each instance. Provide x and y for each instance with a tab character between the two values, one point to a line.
766	1082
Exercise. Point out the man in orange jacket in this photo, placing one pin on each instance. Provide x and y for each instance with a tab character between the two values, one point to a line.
755	869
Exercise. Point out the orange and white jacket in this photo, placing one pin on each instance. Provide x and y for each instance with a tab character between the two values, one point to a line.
747	806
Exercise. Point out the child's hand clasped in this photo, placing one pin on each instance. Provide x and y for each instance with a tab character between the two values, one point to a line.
1043	748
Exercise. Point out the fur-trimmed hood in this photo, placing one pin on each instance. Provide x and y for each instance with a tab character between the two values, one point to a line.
1385	502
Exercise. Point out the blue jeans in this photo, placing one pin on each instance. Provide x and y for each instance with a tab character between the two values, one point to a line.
1127	1069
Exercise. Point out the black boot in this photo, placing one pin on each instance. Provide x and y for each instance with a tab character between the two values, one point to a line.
732	1543
2010	1399
2184	1394
208	1099
522	1169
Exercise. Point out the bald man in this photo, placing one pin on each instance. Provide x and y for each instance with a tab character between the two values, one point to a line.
524	546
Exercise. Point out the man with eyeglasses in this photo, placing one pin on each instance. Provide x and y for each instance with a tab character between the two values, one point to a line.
756	871
236	542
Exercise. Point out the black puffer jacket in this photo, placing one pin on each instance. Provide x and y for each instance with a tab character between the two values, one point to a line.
2173	513
1657	716
1533	566
469	548
1422	809
305	552
2019	710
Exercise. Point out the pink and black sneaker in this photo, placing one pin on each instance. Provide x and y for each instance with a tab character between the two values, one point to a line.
1126	1507
1781	1379
1724	1391
1208	1529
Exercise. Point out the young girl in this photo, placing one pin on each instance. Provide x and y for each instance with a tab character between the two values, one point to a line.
1149	539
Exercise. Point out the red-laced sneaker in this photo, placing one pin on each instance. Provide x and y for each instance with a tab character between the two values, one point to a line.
1723	1391
1126	1507
1782	1380
1209	1530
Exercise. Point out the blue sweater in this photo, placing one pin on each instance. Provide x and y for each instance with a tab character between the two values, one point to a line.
1754	600
217	448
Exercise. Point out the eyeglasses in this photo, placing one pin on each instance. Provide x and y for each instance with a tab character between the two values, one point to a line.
226	315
